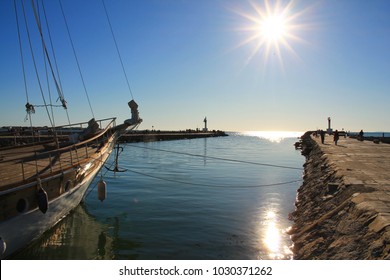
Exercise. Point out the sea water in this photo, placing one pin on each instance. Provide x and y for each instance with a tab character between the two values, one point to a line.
210	198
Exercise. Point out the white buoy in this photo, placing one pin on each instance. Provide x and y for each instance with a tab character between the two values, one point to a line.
101	190
3	246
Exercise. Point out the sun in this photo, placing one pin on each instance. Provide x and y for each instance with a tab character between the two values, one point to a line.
271	28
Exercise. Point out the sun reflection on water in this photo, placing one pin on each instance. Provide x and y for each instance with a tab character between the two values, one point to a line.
273	136
273	238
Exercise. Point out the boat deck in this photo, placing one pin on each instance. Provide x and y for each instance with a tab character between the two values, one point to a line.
23	164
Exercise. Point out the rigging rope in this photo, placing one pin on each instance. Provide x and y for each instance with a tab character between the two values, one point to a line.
51	45
29	109
217	158
46	105
117	49
60	94
54	56
34	62
77	61
21	50
46	72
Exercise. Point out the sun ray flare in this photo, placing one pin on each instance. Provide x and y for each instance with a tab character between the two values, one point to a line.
272	28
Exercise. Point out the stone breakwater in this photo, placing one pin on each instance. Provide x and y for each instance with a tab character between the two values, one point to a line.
343	206
151	136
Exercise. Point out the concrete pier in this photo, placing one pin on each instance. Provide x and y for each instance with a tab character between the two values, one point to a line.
9	139
343	206
149	136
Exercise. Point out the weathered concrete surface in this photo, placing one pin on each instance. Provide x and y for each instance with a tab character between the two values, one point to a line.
343	206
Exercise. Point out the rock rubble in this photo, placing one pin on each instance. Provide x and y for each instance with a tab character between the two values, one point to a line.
339	214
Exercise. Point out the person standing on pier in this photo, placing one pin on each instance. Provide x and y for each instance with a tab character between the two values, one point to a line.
322	134
336	137
361	135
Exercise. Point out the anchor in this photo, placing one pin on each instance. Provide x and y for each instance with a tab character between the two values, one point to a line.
118	150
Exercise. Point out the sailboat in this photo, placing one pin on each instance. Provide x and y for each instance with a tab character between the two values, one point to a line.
42	180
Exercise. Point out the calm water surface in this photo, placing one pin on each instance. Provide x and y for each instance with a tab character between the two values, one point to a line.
186	204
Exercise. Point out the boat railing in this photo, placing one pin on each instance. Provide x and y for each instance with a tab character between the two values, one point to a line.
75	127
48	160
27	136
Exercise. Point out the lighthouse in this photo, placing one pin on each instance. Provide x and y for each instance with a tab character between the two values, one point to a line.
330	131
205	125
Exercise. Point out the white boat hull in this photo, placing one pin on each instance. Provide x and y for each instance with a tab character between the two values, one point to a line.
21	230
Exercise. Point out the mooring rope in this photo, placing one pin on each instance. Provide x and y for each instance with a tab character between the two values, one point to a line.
212	185
206	184
218	158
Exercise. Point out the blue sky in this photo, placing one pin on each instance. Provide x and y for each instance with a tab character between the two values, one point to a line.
194	58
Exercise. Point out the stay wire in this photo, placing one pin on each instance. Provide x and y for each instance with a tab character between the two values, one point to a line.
46	71
77	61
46	53
54	56
60	94
217	158
117	49
22	59
52	46
34	62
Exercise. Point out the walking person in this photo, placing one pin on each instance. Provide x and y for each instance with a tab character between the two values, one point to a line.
336	137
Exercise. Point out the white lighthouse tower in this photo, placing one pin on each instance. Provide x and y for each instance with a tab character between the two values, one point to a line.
330	130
